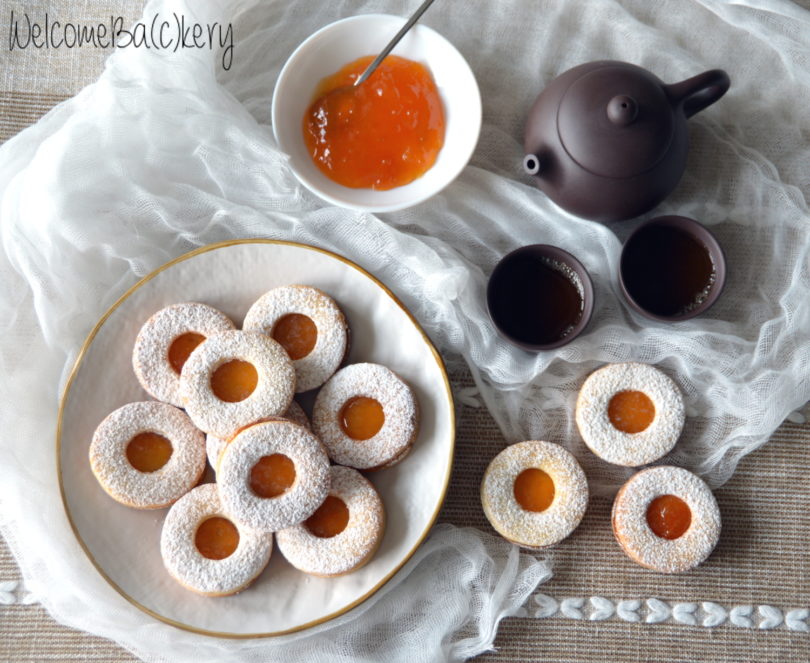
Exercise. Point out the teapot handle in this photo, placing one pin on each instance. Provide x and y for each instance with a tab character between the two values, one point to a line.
700	91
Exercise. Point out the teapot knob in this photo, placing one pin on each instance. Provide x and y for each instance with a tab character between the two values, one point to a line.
622	110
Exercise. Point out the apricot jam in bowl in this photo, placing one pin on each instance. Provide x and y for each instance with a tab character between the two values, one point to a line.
395	140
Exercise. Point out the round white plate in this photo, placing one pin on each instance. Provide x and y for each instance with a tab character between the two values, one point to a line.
123	543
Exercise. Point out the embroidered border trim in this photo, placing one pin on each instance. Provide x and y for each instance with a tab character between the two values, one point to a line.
655	611
597	608
13	593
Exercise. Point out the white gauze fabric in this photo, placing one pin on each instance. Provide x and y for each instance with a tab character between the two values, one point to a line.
167	152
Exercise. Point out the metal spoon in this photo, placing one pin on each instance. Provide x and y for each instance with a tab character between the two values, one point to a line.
413	19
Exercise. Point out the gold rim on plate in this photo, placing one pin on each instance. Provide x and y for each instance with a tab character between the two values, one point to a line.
77	364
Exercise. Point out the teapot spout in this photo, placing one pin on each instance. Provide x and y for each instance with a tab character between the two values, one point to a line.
531	164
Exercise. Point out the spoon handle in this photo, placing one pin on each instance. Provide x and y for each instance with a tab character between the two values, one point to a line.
413	19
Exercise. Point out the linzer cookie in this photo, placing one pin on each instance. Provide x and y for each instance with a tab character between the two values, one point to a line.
147	454
273	475
343	533
629	414
214	446
205	551
235	378
310	326
534	493
165	342
366	416
667	519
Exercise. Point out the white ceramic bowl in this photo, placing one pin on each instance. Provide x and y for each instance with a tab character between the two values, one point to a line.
341	42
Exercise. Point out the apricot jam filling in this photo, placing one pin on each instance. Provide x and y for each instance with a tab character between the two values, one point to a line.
631	411
381	134
272	475
234	381
668	516
216	538
181	348
297	334
148	452
361	418
330	519
534	490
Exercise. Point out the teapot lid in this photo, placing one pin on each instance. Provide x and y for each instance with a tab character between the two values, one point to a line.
616	121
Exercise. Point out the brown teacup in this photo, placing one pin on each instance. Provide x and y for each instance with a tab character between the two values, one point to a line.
671	269
539	297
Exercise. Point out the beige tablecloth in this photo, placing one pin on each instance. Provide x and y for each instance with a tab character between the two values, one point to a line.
599	606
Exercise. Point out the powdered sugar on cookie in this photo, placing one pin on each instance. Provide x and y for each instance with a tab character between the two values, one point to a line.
214	446
271	397
619	447
637	539
185	563
349	549
331	343
534	529
147	490
398	432
310	487
150	356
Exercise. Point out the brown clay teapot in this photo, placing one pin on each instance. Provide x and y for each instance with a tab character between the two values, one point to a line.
607	140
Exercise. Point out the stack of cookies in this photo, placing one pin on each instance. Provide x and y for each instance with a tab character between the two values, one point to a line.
228	395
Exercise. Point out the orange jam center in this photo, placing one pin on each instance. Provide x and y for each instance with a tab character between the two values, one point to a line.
297	334
330	519
216	538
148	452
631	411
361	418
272	475
181	348
668	516
383	133
234	381
534	490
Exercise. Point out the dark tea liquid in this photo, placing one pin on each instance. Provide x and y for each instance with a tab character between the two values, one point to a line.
539	300
667	271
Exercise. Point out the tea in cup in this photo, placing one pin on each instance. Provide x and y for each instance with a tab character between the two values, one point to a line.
671	269
539	297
